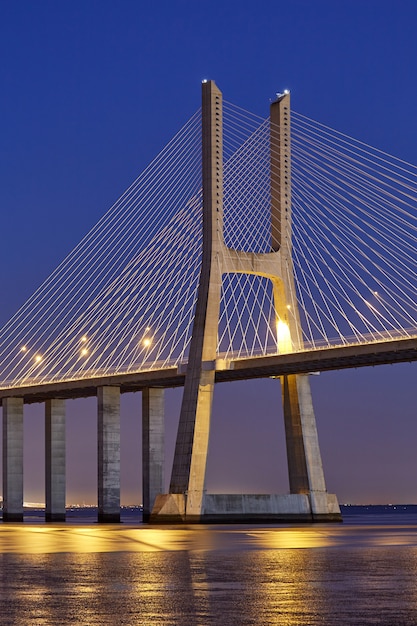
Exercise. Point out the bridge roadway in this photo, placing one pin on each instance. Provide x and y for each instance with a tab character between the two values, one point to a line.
324	359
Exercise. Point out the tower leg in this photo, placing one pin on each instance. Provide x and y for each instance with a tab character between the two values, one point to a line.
108	454
55	460
186	493
198	463
153	455
190	459
303	453
13	459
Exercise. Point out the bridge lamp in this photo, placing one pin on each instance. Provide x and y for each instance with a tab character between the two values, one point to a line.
84	338
147	342
84	352
38	358
283	337
23	349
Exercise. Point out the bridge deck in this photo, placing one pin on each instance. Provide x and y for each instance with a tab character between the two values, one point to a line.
359	355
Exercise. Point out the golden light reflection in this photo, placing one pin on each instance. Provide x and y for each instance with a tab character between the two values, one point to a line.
283	337
244	574
90	539
36	539
293	538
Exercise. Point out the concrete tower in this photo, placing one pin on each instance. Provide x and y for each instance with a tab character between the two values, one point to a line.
187	500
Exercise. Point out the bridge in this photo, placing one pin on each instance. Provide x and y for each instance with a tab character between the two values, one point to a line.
248	248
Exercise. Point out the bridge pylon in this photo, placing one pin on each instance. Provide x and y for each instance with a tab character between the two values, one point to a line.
187	500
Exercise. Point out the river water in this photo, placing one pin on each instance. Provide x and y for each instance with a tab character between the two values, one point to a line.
361	572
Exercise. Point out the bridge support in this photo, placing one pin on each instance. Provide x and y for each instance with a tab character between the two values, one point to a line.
305	470
153	447
187	500
13	459
55	486
189	468
108	439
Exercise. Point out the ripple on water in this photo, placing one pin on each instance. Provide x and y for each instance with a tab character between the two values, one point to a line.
211	577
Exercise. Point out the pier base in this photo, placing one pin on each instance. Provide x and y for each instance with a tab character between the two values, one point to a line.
247	508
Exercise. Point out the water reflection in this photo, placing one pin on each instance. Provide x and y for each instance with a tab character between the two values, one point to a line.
208	576
42	538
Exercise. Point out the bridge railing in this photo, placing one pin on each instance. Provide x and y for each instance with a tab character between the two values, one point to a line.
222	362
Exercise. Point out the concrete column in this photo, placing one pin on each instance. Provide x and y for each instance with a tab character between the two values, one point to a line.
153	443
303	452
190	457
13	459
108	439
55	460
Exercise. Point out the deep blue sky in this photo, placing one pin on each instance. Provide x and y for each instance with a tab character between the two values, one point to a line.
90	91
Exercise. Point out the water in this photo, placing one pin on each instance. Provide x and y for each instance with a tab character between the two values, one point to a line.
357	573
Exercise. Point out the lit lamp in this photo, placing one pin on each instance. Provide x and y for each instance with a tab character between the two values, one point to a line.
283	337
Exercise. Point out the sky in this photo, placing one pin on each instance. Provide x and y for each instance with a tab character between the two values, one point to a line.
91	91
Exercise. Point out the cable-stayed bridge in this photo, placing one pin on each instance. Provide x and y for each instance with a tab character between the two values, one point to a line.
248	248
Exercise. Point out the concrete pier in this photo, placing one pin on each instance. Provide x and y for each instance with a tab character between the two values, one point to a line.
12	459
187	500
305	470
55	485
189	467
108	441
153	447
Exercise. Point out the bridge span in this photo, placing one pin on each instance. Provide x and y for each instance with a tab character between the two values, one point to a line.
107	389
227	370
